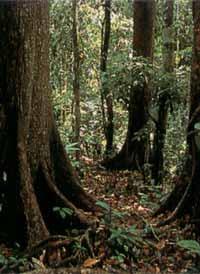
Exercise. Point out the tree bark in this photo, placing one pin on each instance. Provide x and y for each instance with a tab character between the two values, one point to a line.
185	196
76	80
36	170
134	152
164	97
106	94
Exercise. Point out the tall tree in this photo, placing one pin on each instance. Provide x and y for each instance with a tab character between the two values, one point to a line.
33	163
106	94
76	79
185	196
134	151
164	96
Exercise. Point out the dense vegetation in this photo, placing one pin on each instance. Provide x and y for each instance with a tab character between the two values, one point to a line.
121	67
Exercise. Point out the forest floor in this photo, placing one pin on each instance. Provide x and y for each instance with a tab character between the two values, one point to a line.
150	248
127	238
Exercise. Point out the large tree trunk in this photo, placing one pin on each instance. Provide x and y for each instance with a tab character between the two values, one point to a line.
164	97
106	94
185	196
36	172
76	80
134	152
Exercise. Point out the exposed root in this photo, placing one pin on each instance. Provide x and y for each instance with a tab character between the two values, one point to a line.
53	241
85	238
65	173
119	162
31	209
49	251
180	207
50	242
170	202
52	186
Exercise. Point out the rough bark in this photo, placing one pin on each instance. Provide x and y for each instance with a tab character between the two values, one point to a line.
134	152
164	97
106	94
36	170
76	80
185	196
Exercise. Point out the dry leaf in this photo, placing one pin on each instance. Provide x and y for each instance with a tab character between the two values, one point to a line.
90	262
161	244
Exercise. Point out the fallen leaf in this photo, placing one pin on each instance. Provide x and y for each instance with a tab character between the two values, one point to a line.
90	262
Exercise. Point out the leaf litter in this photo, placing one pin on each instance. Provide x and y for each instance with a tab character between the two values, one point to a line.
159	251
127	238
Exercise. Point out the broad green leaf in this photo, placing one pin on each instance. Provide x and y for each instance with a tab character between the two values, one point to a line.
68	211
191	245
118	214
197	126
63	211
126	248
104	205
3	259
132	229
62	214
56	208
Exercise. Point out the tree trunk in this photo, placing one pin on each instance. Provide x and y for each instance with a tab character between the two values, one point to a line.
134	152
106	94
35	172
76	79
164	97
185	196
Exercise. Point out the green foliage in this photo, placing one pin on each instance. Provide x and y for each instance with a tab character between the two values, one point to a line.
109	213
63	211
190	245
60	50
197	126
122	241
13	261
71	148
103	205
3	260
78	246
128	72
90	17
124	71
